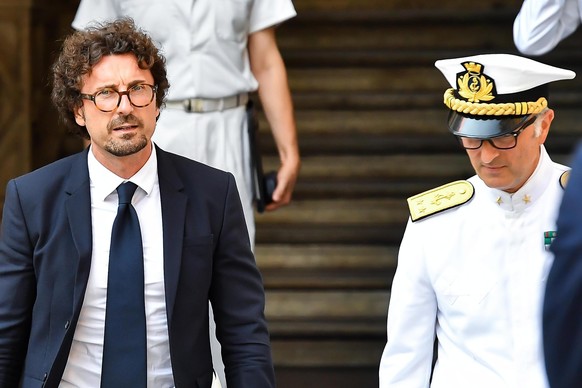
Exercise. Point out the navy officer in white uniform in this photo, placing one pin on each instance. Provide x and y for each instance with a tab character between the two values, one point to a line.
475	255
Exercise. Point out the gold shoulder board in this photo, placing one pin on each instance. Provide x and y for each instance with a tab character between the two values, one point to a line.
564	178
441	198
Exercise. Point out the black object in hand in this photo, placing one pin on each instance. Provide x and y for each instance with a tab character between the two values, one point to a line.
269	184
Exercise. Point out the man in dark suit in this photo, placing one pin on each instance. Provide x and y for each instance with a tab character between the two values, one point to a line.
57	250
562	320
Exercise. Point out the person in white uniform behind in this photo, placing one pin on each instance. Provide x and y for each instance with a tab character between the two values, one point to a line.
217	53
474	257
541	24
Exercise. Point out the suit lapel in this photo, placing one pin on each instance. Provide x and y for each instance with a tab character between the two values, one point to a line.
173	217
78	208
79	214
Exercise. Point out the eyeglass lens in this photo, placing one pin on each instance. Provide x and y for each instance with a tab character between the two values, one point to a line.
504	142
501	142
139	96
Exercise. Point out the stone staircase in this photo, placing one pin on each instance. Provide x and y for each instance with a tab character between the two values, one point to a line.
372	131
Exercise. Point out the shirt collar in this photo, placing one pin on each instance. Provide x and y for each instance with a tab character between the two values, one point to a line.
531	191
104	182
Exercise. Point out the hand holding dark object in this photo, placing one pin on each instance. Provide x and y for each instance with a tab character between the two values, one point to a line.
263	185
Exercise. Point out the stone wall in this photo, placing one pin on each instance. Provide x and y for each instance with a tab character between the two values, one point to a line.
30	132
15	129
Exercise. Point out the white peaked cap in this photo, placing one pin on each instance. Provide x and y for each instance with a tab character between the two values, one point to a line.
512	73
494	94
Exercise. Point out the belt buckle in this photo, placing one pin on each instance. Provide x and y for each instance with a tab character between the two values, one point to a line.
197	105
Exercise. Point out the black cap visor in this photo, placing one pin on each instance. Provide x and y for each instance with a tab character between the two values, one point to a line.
483	128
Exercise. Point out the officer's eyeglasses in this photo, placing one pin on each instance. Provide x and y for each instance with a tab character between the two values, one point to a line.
504	142
108	99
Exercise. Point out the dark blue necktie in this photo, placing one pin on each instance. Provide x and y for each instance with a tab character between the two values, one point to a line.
124	345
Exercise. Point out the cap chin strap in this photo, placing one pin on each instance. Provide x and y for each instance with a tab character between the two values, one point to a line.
484	109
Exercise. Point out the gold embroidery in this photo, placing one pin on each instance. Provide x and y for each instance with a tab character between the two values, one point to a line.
438	199
501	109
526	199
499	201
473	85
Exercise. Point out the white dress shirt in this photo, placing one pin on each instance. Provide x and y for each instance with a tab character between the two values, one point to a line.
84	364
541	24
474	276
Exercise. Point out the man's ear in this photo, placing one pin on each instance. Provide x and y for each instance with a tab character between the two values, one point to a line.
80	116
545	125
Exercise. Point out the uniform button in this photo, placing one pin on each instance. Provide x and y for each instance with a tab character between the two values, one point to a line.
44	377
67	324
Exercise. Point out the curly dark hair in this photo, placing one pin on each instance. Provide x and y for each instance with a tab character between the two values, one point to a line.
82	50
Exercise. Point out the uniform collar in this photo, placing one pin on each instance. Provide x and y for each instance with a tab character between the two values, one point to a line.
530	192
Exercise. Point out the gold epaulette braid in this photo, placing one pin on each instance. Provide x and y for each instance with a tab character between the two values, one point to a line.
502	109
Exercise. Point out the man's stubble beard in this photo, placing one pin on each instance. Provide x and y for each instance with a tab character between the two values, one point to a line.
129	143
126	145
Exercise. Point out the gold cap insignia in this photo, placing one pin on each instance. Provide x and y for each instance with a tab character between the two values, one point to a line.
439	199
473	85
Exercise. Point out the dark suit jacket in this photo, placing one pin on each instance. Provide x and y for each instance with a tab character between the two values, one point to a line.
562	314
45	254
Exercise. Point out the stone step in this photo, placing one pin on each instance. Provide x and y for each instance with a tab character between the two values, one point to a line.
327	97
314	267
365	123
336	376
395	31
364	212
395	176
343	353
326	314
394	167
309	189
393	80
333	221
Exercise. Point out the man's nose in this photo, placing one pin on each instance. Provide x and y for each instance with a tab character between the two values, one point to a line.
125	106
488	152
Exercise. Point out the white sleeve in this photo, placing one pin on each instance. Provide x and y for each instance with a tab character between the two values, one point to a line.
541	24
267	13
95	11
407	358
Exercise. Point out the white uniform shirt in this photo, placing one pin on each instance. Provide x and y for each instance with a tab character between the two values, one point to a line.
475	276
541	24
204	41
85	358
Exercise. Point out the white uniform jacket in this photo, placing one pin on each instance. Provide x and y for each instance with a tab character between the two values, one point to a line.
474	276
